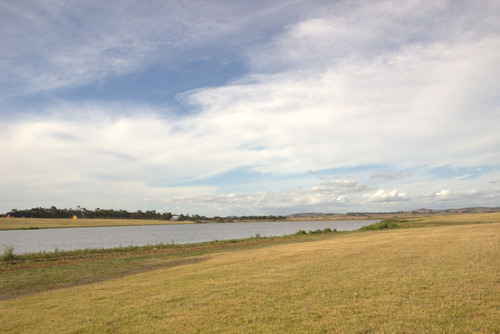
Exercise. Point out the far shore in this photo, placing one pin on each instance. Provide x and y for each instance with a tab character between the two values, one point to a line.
48	223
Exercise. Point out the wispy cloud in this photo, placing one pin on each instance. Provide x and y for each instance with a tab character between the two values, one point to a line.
263	202
346	185
390	176
461	197
51	46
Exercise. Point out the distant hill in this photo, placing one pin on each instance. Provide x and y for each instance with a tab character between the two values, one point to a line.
462	210
421	211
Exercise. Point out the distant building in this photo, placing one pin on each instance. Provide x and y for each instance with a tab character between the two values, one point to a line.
174	218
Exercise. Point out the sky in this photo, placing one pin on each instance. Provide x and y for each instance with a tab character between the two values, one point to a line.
253	107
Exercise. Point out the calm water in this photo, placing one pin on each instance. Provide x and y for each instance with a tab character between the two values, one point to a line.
26	241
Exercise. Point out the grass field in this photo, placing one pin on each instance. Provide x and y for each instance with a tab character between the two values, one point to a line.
442	277
42	223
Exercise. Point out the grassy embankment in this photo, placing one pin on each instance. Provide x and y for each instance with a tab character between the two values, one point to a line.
442	278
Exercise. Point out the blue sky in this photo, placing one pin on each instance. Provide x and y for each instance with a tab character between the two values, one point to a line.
254	107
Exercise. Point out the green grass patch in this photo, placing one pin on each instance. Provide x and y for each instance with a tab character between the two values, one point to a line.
25	274
8	254
382	225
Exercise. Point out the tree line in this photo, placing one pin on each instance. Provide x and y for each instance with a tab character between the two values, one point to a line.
79	212
98	213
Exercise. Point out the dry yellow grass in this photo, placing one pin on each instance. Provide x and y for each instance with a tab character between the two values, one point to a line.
26	223
455	219
434	279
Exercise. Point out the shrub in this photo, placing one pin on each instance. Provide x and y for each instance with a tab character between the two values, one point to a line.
381	225
318	231
8	254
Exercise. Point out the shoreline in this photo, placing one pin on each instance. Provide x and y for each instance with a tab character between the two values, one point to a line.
9	224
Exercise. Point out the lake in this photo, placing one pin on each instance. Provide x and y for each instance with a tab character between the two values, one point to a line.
28	241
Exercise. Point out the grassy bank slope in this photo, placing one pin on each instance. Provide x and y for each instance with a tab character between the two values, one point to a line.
433	279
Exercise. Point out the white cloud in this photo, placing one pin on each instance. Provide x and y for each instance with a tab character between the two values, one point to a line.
443	193
381	110
465	195
386	196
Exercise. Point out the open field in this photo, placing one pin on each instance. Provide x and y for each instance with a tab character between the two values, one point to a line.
27	223
443	278
441	220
